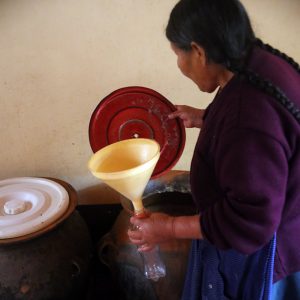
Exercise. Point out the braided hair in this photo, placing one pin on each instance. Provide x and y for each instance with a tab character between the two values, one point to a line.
267	86
227	38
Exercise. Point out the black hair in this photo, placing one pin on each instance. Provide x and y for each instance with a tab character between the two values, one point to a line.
221	27
224	30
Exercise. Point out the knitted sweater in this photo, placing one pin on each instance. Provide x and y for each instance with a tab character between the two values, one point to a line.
245	171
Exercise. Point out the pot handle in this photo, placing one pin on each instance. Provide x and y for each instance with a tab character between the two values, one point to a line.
106	249
76	269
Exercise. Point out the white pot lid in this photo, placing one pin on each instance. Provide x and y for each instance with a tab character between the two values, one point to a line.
29	204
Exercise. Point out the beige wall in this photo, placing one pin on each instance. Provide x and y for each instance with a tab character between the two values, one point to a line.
59	58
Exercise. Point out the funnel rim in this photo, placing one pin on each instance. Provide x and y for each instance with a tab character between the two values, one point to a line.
124	173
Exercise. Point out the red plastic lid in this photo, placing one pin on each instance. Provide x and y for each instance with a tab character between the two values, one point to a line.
138	112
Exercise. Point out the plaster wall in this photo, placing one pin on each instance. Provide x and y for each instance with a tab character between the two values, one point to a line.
60	58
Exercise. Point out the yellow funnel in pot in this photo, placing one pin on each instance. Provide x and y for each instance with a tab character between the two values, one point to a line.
126	166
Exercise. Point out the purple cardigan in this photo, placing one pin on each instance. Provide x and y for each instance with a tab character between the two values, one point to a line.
245	172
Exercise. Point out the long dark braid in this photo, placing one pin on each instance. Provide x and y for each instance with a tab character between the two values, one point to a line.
278	53
267	86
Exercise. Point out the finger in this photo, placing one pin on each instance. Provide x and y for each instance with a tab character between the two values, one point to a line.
175	114
145	247
135	238
137	242
135	221
134	234
181	107
132	220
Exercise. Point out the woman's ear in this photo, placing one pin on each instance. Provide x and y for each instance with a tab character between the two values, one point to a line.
199	52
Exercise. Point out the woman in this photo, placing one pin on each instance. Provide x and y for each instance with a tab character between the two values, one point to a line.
245	170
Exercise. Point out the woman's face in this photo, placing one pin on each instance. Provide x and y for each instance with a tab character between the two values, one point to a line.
194	65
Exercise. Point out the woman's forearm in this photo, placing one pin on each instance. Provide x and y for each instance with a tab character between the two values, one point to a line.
186	227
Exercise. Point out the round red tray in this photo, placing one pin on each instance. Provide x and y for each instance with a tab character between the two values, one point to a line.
138	112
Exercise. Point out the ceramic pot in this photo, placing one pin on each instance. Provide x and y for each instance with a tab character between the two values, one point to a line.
51	264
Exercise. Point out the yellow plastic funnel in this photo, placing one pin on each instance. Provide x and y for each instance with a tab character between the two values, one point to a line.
126	166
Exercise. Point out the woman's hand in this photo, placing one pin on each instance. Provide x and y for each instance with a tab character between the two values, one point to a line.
159	228
191	117
155	229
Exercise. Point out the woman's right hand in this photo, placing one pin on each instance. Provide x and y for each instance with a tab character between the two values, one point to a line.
155	229
191	116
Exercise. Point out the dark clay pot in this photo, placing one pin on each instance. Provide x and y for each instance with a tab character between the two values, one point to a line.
51	266
169	194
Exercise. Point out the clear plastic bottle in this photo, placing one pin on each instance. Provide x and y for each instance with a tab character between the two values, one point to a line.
154	268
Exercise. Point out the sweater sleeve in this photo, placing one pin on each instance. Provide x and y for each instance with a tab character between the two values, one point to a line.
252	171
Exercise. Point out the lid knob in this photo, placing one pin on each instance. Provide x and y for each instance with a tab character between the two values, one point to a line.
14	207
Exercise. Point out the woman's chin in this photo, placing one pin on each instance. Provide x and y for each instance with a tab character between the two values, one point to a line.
206	89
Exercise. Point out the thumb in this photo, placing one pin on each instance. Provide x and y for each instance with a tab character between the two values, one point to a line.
135	221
